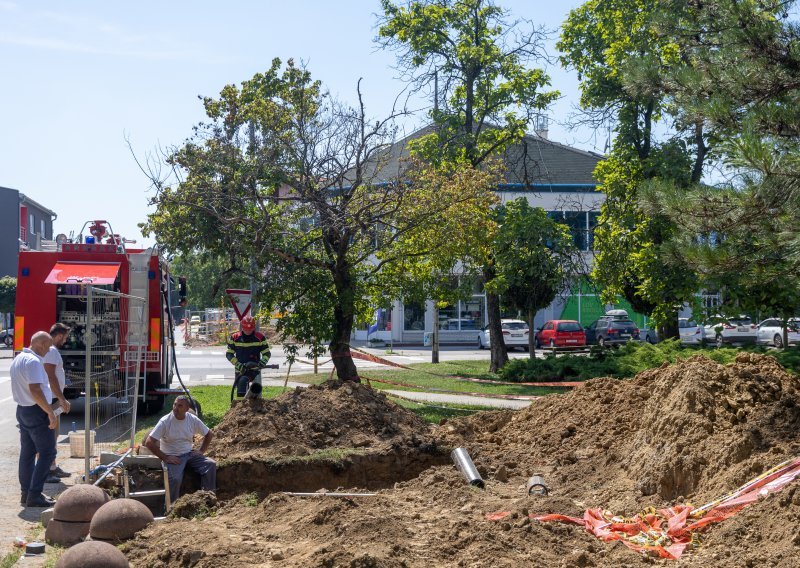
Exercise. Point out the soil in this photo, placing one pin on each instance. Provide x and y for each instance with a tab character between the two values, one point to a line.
688	432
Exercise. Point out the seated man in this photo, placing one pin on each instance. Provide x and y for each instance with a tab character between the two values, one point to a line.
172	440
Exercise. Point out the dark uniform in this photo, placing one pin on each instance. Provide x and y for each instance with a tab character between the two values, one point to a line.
244	349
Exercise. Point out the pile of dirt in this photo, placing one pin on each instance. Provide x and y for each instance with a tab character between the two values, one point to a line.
689	431
331	415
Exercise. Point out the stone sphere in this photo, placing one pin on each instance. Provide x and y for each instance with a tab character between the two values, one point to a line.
79	503
64	533
93	554
119	520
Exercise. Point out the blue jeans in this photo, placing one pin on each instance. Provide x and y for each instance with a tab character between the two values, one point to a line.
206	467
35	437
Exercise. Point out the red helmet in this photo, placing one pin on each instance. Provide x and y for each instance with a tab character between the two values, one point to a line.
248	324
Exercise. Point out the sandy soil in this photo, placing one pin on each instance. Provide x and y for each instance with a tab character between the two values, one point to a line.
683	433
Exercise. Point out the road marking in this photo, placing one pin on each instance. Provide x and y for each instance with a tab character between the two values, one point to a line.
4	380
197	352
6	399
215	376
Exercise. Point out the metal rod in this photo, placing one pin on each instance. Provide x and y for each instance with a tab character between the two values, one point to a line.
329	494
113	466
87	415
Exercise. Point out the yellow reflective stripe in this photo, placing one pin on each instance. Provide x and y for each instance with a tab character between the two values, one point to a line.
254	344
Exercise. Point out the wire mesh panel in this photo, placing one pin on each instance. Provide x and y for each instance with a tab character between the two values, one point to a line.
114	333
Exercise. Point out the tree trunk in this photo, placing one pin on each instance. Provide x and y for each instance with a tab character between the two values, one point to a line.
670	330
531	335
343	316
435	342
498	351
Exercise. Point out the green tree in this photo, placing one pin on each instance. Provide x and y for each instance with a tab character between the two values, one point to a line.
286	176
621	61
536	259
8	295
207	277
740	74
486	95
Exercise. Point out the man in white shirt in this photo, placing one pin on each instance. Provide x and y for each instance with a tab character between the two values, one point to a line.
172	440
54	367
36	419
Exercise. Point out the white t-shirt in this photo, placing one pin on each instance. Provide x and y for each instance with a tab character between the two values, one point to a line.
27	369
53	357
176	436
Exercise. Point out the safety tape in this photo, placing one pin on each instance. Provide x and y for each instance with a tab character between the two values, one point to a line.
668	532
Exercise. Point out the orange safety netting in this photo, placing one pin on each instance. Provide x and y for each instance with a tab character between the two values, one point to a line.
669	532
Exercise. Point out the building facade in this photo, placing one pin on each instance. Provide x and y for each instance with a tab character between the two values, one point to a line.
24	225
556	177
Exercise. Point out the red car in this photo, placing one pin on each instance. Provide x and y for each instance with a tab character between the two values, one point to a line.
561	333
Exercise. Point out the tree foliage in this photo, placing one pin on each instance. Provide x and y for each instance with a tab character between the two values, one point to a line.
287	177
742	60
487	90
207	277
8	294
536	259
621	60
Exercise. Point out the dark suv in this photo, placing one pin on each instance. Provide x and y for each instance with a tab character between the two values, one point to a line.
614	328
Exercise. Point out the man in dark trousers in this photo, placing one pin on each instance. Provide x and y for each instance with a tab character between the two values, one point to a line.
248	351
31	391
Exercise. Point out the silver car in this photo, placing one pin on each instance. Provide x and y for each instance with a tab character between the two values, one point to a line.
515	334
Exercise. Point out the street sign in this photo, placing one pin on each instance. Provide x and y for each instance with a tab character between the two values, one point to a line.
240	300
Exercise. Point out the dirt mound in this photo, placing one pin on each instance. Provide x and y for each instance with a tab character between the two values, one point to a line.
197	504
332	415
690	431
693	429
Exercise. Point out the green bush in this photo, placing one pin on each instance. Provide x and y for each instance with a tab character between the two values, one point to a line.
627	361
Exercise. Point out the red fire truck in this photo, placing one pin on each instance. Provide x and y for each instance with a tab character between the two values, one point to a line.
52	286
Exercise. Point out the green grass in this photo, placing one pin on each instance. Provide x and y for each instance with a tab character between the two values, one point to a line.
434	414
421	379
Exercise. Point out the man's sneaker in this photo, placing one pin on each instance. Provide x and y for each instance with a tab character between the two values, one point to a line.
52	479
23	498
41	500
58	472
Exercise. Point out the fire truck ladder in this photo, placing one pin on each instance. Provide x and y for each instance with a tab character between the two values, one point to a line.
137	339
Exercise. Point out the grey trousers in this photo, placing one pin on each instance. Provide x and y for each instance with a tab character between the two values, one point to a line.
206	467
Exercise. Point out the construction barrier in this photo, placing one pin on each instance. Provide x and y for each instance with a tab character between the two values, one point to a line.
668	532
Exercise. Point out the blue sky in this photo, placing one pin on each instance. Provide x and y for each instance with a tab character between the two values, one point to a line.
79	77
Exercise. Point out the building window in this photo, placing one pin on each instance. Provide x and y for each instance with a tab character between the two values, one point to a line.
41	228
465	315
31	223
581	226
413	316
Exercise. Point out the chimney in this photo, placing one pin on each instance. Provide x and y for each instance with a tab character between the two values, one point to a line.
540	124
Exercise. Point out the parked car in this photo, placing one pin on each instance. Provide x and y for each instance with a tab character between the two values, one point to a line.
770	332
561	333
649	335
690	333
727	331
195	320
7	337
614	328
515	334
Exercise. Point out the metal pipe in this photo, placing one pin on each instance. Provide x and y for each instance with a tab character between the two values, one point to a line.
113	466
536	485
466	467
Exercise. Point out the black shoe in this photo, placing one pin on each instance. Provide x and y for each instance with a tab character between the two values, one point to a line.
52	479
41	500
58	472
24	498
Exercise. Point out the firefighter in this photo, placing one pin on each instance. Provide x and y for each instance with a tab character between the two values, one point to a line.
248	351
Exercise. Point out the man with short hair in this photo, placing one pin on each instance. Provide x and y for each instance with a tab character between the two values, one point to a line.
36	419
172	440
54	367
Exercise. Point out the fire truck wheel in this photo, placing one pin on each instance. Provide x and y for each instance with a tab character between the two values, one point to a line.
152	405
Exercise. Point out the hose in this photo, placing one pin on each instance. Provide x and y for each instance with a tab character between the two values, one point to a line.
171	335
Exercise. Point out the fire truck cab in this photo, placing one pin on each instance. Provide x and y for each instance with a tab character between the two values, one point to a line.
52	287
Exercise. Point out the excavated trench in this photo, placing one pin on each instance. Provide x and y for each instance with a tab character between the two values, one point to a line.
306	474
